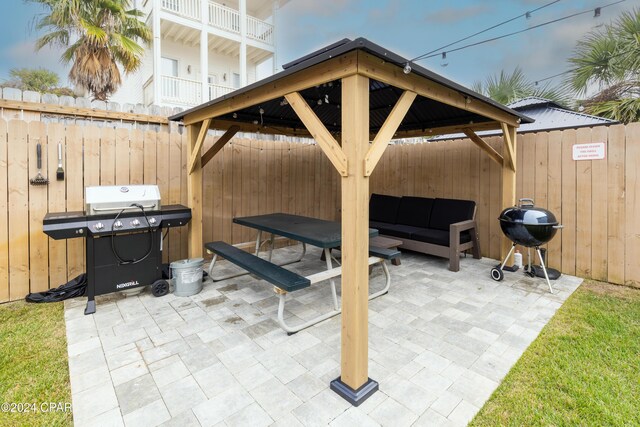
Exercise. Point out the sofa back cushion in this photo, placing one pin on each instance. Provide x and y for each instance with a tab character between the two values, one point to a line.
383	208
448	211
414	211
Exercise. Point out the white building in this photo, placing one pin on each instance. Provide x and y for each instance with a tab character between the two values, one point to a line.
201	49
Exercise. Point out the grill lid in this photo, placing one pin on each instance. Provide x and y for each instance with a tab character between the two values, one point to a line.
114	198
526	213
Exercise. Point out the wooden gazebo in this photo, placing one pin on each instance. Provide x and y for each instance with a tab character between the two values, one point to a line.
352	97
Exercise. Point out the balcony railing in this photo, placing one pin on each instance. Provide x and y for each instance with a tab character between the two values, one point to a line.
181	91
259	30
216	91
185	8
222	17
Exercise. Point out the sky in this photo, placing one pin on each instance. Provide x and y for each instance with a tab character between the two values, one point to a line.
409	28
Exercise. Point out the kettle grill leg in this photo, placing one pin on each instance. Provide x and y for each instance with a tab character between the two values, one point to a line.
544	269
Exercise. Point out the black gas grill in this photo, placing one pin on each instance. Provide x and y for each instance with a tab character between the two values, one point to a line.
123	230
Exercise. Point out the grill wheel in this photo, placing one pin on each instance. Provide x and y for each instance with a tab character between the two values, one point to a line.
160	288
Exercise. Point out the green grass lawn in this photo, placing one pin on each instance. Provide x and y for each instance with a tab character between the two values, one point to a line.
583	369
33	363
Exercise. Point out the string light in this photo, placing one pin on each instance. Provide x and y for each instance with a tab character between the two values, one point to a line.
431	55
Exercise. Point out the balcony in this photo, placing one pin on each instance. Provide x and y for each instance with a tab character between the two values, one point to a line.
221	17
179	91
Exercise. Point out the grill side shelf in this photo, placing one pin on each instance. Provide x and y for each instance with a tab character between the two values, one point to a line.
65	225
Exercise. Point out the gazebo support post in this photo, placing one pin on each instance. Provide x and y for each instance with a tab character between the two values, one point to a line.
354	385
195	135
508	180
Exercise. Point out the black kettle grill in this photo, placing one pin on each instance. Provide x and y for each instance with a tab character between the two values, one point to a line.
528	226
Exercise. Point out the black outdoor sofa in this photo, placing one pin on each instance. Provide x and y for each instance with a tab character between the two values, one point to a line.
441	227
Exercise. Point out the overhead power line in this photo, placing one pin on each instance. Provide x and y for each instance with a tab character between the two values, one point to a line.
526	14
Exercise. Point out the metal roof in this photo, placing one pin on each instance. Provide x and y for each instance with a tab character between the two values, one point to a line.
325	99
548	116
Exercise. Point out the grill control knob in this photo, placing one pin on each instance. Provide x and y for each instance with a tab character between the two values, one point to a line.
135	222
152	220
117	224
99	226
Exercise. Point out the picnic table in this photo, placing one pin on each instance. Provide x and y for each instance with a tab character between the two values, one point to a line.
312	231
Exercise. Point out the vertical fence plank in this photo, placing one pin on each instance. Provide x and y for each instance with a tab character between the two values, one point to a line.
38	245
150	157
162	179
583	209
57	203
208	193
175	172
237	190
18	205
108	156
227	190
599	208
568	203
136	157
123	163
632	181
540	166
554	195
218	202
484	200
75	196
184	199
616	218
91	156
4	215
495	197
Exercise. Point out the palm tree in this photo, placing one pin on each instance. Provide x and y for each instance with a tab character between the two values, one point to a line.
505	88
608	59
98	35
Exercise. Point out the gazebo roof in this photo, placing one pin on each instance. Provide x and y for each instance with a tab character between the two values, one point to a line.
275	116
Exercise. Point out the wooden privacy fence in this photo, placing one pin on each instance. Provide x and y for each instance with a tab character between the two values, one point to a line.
238	181
29	260
597	201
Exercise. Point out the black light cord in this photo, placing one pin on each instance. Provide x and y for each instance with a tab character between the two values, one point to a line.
526	14
427	56
149	230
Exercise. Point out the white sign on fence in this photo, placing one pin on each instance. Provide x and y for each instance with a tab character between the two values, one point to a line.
593	151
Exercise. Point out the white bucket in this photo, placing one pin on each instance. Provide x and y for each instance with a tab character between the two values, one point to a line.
187	276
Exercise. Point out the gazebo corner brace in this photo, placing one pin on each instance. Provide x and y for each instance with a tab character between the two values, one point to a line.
319	132
386	132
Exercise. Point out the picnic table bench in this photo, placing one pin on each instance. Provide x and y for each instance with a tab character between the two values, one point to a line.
286	281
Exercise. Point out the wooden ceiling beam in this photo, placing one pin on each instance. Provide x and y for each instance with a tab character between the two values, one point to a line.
333	69
392	74
444	130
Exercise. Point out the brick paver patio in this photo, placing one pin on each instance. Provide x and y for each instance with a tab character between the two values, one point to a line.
439	344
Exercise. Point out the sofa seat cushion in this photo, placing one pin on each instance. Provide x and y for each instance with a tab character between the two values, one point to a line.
383	208
449	211
438	237
414	211
395	230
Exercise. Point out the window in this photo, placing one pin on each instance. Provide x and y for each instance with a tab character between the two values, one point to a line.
169	67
